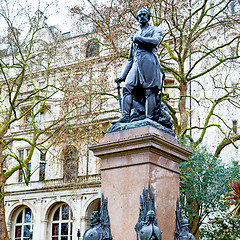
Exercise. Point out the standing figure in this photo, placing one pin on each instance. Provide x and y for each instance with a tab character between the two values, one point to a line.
142	72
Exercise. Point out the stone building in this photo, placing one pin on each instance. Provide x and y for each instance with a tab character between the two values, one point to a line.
65	182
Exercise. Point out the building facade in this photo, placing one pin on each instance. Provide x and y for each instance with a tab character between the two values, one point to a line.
64	185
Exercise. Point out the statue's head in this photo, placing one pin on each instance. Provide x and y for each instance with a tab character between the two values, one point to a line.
185	224
143	15
151	216
94	219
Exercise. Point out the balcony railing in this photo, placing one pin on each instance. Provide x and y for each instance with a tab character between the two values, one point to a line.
60	183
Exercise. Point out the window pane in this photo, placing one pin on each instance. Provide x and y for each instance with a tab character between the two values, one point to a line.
20	175
29	169
28	213
43	156
26	232
41	117
29	119
54	238
18	232
65	212
70	167
64	229
56	215
92	49
42	171
55	229
21	154
64	238
19	218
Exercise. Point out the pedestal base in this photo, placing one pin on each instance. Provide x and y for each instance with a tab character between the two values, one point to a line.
130	160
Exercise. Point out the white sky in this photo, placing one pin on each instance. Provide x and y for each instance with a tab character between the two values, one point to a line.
58	12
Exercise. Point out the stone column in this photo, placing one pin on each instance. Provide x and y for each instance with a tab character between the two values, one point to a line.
130	160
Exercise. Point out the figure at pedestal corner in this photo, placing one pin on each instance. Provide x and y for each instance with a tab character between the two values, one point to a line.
99	224
182	226
143	74
146	226
184	232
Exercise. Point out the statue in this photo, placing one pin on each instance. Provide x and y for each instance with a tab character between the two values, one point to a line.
184	233
182	226
146	226
143	78
99	225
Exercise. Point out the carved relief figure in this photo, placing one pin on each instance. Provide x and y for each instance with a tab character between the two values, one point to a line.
146	226
99	225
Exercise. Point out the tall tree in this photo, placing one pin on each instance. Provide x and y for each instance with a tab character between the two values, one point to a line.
199	45
199	51
28	49
204	181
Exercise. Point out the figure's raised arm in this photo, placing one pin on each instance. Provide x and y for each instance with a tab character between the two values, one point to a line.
153	40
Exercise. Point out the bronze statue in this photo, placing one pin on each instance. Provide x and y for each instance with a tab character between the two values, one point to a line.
182	226
142	72
184	232
99	225
146	226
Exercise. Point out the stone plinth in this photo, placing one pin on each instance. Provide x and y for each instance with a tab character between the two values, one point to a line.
130	160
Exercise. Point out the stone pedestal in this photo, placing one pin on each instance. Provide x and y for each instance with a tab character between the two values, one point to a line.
130	160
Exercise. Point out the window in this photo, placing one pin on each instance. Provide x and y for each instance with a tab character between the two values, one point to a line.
41	116
42	84
29	118
62	223
234	126
23	224
22	155
233	6
42	166
212	9
30	87
70	164
92	48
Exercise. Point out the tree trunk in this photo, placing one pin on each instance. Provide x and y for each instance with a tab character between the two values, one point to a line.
195	221
3	226
182	108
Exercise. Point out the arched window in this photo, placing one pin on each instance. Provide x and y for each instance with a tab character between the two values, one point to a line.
23	224
61	223
92	48
70	163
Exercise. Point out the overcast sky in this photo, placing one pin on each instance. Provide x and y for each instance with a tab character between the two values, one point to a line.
57	11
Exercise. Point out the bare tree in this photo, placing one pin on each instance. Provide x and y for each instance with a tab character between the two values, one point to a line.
199	37
28	54
199	48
